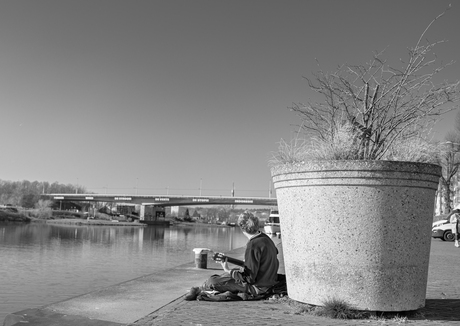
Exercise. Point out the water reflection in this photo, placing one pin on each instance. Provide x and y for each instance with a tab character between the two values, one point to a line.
43	263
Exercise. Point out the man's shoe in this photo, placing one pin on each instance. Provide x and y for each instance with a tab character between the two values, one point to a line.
193	294
456	244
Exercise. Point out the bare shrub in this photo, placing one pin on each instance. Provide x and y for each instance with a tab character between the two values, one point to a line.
43	209
379	104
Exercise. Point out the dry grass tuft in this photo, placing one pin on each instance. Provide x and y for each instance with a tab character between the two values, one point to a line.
345	146
337	309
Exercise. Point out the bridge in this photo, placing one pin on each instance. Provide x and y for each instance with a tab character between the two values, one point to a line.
161	200
164	200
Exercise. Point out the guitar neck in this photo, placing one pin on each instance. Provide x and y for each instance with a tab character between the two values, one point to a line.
235	261
221	257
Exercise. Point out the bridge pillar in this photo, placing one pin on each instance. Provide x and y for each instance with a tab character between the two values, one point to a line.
175	211
142	212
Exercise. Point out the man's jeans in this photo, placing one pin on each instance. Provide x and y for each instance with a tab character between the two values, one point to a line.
222	283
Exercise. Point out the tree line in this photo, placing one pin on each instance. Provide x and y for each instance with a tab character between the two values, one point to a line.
27	194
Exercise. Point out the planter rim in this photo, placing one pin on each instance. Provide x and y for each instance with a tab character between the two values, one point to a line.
325	165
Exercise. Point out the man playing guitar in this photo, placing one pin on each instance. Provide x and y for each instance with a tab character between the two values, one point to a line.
255	275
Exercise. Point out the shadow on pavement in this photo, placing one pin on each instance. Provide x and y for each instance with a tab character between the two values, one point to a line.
439	310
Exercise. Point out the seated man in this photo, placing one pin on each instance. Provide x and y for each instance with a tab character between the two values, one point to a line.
260	269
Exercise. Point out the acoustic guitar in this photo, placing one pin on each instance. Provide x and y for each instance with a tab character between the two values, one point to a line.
218	256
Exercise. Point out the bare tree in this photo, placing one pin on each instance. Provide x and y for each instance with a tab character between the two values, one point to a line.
449	159
382	104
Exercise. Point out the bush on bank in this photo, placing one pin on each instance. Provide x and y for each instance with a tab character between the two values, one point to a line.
7	215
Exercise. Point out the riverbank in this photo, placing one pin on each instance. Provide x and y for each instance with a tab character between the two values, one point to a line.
78	219
18	218
90	222
8	215
13	215
180	223
121	223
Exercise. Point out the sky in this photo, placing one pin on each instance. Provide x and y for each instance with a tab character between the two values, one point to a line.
182	97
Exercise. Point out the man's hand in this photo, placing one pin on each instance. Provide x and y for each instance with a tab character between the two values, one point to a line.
224	265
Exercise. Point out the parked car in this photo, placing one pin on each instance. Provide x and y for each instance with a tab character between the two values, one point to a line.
442	229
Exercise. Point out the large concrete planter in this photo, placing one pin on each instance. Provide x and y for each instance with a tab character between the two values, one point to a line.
359	231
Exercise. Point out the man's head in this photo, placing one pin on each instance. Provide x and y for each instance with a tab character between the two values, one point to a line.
248	223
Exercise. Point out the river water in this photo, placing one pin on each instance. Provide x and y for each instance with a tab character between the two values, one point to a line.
44	263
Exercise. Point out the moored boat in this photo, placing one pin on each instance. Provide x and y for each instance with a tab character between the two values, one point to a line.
272	226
